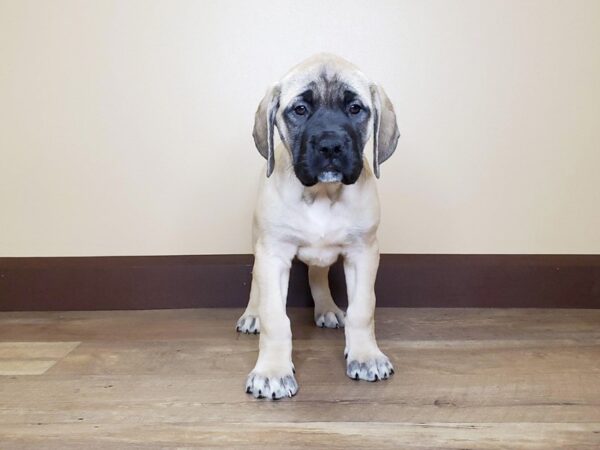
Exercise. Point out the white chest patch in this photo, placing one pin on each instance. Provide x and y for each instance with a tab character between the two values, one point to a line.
326	229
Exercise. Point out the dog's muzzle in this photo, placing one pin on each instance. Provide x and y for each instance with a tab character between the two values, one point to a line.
329	146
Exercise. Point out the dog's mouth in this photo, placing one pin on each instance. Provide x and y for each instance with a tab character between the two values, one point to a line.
330	176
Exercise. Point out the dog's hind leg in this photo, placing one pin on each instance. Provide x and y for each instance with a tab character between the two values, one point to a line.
249	321
327	314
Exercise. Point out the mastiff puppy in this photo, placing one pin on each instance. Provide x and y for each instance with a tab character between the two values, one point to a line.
318	201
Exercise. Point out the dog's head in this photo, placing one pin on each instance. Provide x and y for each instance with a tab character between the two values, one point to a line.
325	110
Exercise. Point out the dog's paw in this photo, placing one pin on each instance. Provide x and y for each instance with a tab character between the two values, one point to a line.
271	387
248	324
374	368
330	319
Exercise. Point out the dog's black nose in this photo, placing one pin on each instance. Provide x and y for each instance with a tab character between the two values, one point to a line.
330	144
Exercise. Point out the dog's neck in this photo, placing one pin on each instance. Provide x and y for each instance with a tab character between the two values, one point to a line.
322	191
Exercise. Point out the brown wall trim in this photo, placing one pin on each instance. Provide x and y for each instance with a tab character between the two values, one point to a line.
150	282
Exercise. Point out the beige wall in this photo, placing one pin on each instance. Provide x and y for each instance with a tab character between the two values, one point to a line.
125	126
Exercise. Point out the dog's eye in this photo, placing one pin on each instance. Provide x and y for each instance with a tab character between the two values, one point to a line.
300	110
354	108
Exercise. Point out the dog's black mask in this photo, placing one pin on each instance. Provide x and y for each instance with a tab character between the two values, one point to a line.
327	129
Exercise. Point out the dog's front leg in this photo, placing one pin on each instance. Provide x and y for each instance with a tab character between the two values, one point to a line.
273	375
364	359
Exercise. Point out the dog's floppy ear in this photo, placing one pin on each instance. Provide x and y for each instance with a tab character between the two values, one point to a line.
385	128
264	126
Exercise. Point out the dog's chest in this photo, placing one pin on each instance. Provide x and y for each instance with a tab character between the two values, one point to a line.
325	229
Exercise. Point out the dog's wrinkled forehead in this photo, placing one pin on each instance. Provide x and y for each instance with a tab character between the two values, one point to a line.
328	78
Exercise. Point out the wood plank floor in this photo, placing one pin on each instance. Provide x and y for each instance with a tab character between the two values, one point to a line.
465	379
